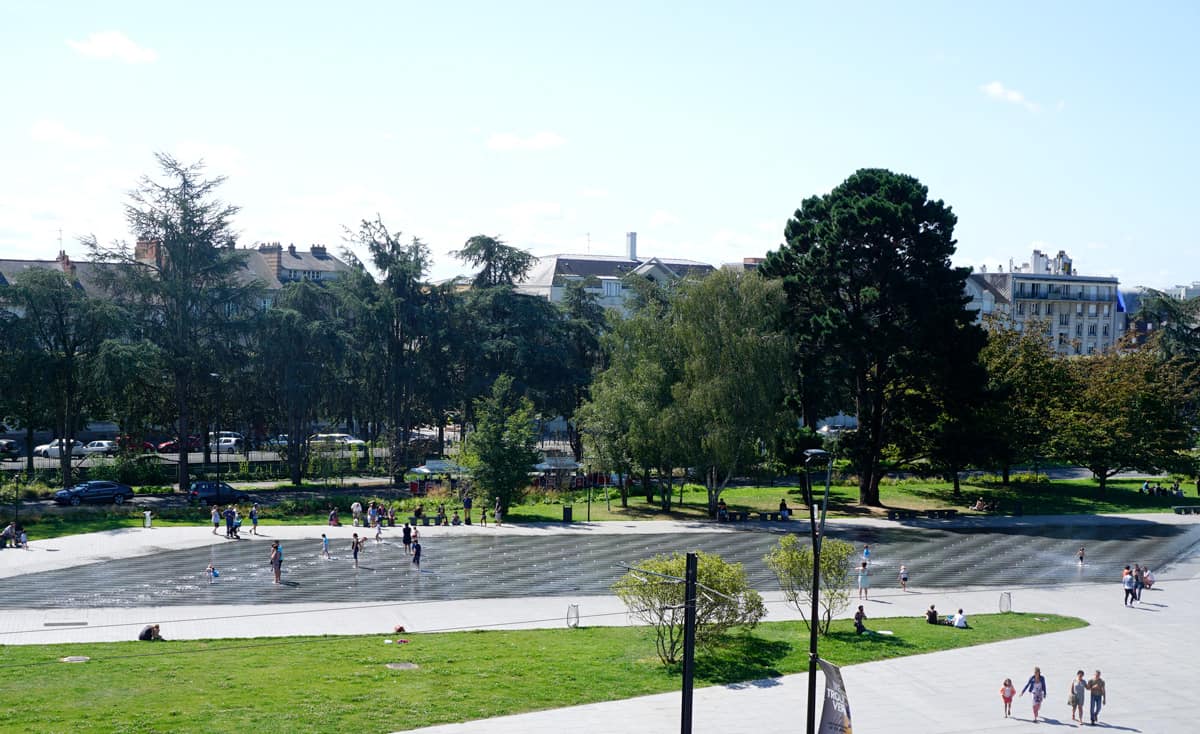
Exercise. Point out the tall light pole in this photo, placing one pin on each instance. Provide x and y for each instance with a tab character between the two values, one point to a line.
818	535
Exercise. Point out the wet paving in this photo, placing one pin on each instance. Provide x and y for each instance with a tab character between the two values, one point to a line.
477	566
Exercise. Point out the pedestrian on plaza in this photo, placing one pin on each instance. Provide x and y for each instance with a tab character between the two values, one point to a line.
356	511
354	548
1099	696
229	521
1080	555
866	554
212	573
483	517
864	582
379	530
325	547
216	519
1139	582
1078	687
1007	692
23	540
416	559
406	538
903	577
237	523
276	561
467	508
254	519
1127	583
1036	686
497	512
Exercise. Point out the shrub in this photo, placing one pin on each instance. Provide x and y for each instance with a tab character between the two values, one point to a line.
792	563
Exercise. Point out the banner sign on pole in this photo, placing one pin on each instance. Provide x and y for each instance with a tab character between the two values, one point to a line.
835	714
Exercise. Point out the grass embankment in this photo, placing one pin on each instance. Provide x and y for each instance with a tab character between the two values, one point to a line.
324	684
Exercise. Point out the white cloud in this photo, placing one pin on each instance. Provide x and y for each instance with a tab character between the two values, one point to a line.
661	218
594	193
525	212
997	90
544	140
113	45
56	133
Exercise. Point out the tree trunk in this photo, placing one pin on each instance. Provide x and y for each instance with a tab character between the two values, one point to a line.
29	449
184	430
646	486
957	488
1102	475
1004	473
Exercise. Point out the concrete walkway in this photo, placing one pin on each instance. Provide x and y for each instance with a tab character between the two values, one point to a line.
1146	652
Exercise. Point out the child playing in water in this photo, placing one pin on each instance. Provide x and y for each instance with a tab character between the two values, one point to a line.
1006	694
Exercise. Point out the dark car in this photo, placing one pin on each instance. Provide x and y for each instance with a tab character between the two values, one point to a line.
208	492
9	449
94	491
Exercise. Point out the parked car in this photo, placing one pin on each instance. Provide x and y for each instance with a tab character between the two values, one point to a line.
106	448
9	449
226	445
94	491
172	447
335	441
207	492
274	443
129	444
54	449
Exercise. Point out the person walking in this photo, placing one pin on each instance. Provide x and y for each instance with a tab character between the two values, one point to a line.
1127	584
229	521
406	538
254	519
276	561
1007	693
1139	582
483	516
497	512
325	547
867	553
1080	555
1099	696
354	548
1036	686
1078	687
864	582
416	559
467	508
216	519
903	577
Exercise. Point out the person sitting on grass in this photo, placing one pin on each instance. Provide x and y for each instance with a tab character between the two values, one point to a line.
932	616
859	617
959	620
150	634
980	505
722	511
456	520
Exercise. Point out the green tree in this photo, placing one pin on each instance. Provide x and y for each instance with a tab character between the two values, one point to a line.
1125	410
724	600
1024	380
582	356
25	402
792	563
1176	323
498	263
67	328
866	270
501	450
130	383
734	357
183	285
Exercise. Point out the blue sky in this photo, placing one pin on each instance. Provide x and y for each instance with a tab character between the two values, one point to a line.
560	126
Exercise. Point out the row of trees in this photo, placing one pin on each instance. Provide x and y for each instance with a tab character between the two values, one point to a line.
859	310
174	335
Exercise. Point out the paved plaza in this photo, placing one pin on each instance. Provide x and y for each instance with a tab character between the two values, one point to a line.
105	586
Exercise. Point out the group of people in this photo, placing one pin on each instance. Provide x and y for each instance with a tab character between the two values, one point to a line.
1077	690
1133	579
954	620
14	535
376	515
232	517
983	506
1157	490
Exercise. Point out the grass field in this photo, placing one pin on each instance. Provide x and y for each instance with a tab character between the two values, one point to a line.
337	684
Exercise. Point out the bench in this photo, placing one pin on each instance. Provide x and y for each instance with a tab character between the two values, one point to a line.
941	514
764	516
734	516
1186	509
902	514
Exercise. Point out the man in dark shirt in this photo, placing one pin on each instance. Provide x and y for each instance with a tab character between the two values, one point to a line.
150	634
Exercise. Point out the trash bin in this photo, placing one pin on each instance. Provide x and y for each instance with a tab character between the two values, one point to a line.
567	514
147	518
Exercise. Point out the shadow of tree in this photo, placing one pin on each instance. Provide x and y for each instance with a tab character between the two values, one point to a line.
740	658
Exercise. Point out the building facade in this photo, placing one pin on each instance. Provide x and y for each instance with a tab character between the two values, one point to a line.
1079	314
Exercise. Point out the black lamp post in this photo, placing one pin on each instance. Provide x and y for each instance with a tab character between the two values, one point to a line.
818	535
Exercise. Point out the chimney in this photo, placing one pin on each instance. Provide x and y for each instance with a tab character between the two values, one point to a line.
291	249
318	251
146	249
64	262
631	246
271	253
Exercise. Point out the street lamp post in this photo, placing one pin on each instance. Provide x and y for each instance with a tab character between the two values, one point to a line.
818	535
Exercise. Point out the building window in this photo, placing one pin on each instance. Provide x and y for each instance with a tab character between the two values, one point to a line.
1091	349
1037	309
1022	288
1078	309
1091	329
1020	309
1035	289
1091	309
1104	330
1063	319
612	288
1078	329
1108	309
1062	337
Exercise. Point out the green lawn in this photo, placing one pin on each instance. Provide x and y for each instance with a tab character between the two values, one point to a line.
330	684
